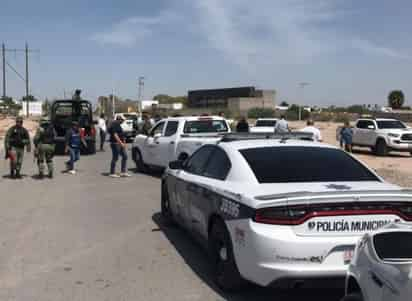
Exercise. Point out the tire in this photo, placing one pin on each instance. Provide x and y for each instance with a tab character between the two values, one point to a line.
352	297
167	214
381	148
92	147
137	158
183	157
226	273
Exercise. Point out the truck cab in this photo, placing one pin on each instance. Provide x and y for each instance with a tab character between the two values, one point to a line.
176	138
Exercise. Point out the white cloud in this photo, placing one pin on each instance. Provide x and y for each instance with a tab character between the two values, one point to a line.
371	48
268	31
130	31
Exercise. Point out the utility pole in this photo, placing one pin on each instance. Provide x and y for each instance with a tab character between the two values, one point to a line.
302	86
3	52
27	51
113	104
140	96
27	79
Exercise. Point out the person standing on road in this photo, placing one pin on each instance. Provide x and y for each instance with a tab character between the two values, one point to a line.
310	128
147	125
44	142
242	126
102	130
282	126
119	148
74	140
17	138
346	134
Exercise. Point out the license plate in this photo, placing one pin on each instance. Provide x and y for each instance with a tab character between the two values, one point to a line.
348	255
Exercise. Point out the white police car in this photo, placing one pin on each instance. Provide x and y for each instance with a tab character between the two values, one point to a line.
381	269
278	211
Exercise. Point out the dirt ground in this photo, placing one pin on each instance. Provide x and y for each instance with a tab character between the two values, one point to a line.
396	168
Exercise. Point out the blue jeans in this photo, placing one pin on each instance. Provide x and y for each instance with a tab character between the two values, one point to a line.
118	150
74	157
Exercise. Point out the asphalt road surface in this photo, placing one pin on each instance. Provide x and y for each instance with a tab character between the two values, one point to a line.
90	237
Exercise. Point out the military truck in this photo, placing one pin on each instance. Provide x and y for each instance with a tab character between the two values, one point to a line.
63	112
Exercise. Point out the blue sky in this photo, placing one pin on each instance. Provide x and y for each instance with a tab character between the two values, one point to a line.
350	51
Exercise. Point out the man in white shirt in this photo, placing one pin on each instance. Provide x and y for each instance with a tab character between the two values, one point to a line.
282	126
102	130
310	128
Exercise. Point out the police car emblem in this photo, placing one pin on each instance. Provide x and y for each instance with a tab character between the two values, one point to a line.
311	225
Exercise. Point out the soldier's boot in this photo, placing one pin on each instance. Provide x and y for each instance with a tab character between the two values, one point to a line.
12	173
18	175
41	169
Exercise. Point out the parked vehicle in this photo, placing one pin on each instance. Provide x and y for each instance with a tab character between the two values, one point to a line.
174	138
264	125
278	212
382	135
64	112
129	125
381	268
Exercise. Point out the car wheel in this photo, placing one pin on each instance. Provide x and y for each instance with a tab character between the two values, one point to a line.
227	275
352	297
137	158
381	148
167	214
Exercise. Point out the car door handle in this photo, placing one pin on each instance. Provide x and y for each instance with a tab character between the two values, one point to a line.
172	142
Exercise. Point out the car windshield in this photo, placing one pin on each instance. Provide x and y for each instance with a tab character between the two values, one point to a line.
393	246
205	126
268	123
130	116
294	164
390	124
73	111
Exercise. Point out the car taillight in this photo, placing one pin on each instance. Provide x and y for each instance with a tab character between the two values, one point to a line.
280	215
296	215
92	132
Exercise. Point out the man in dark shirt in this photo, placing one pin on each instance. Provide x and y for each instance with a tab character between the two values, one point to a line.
242	126
119	148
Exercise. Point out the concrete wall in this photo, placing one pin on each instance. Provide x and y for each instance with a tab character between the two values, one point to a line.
241	106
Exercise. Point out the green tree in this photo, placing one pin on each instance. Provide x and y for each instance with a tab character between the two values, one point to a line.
284	104
396	99
29	98
261	113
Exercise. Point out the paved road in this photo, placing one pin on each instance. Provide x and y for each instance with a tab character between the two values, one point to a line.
89	237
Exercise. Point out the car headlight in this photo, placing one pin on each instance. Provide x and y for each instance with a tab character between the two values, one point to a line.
393	135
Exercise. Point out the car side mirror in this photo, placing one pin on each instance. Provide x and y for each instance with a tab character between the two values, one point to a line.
175	165
371	127
157	136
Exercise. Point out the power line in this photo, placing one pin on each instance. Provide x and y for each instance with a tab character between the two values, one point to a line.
26	51
15	71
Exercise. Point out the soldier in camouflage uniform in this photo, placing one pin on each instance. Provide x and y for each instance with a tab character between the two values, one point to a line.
44	141
17	138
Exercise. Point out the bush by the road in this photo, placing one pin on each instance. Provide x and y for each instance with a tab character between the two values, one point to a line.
255	113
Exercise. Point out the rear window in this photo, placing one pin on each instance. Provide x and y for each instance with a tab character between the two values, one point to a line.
304	164
205	126
393	246
268	123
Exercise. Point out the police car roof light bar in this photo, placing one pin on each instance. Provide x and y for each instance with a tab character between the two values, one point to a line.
231	137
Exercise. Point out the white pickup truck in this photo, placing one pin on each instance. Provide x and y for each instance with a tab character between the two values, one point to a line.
382	135
176	138
264	125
